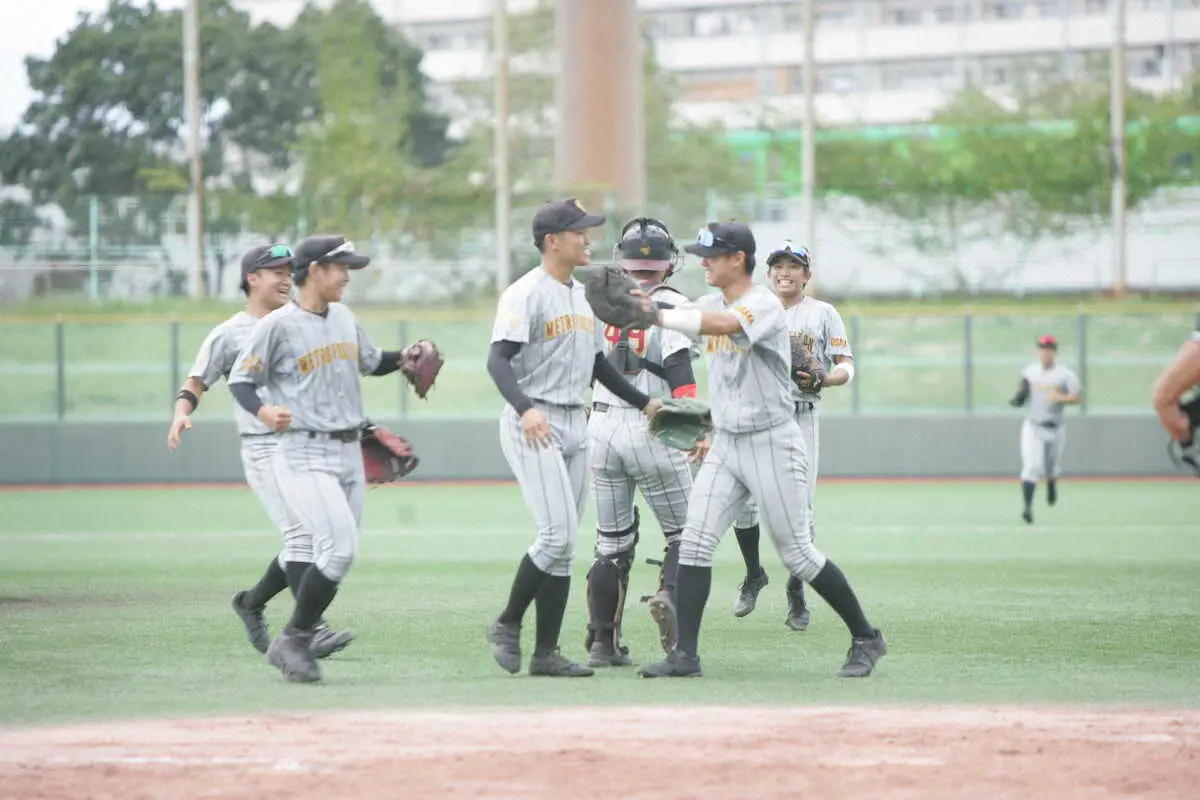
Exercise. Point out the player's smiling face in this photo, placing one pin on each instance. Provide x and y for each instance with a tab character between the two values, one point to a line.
788	278
721	271
273	286
330	279
573	247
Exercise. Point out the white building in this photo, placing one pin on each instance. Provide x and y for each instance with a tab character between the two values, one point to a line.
878	61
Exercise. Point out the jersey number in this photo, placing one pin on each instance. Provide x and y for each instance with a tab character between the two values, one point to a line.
637	338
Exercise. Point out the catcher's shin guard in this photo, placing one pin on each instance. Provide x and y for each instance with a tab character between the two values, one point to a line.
607	585
670	565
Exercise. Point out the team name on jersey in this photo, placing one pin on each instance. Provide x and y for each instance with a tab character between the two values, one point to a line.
806	338
569	323
338	351
722	344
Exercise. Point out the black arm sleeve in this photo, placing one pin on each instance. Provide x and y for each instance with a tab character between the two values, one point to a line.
247	397
1022	394
389	362
615	382
499	366
678	369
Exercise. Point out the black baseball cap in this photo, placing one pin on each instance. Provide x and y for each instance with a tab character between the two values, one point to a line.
328	250
797	253
721	238
264	257
563	215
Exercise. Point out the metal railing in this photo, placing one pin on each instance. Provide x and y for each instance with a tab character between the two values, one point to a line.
967	363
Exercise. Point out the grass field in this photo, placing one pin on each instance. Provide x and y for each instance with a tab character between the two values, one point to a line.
128	367
113	604
1028	662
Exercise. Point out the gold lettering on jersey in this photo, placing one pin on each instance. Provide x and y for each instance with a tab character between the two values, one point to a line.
323	356
836	342
806	339
569	323
722	344
252	365
744	313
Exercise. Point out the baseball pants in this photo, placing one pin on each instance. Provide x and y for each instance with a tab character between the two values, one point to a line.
1041	451
810	428
258	453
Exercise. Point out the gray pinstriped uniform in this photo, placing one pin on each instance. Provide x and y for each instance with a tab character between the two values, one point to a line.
310	364
821	328
214	361
758	450
559	338
624	454
1043	435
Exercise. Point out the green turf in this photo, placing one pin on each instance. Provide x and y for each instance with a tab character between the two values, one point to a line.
907	364
113	603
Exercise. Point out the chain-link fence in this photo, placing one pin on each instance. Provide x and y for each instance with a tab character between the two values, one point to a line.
906	364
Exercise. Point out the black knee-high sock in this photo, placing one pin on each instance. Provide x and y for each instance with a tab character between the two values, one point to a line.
524	588
670	568
295	574
795	586
270	584
833	587
1027	490
747	539
551	604
1051	490
314	596
691	594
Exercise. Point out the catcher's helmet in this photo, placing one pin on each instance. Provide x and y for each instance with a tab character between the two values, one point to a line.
646	244
799	254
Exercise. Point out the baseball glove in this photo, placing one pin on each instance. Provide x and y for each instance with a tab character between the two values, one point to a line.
421	364
807	372
1186	455
386	456
608	293
682	422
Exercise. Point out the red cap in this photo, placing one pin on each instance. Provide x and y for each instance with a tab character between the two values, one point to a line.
1047	341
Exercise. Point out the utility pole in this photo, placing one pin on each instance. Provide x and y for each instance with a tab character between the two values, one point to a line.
808	155
1117	145
191	102
500	143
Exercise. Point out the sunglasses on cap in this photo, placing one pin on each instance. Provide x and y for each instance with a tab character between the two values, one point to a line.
346	248
273	253
706	238
788	249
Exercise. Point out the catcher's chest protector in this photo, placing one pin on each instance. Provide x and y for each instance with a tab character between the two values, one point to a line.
630	350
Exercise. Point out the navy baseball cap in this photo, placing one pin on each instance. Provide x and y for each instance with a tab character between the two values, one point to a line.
563	215
797	253
722	238
328	250
264	257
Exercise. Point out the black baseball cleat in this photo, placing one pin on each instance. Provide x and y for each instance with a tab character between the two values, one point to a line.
254	622
326	641
1027	515
748	594
676	665
863	655
292	655
603	654
506	645
798	615
555	665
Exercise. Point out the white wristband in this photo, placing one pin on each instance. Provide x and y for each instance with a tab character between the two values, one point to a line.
846	367
684	320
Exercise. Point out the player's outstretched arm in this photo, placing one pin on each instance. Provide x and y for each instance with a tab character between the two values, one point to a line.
185	403
1176	379
693	322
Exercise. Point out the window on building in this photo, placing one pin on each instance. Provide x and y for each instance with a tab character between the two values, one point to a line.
839	80
946	12
830	14
728	21
1003	9
920	75
719	84
1050	9
899	12
1095	6
1145	62
997	72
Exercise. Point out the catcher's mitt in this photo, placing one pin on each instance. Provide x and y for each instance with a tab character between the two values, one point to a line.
807	372
386	456
421	364
682	422
1186	455
608	293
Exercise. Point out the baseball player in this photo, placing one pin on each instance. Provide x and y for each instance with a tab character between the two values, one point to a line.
756	451
625	456
545	353
305	358
267	284
819	328
1047	387
1175	381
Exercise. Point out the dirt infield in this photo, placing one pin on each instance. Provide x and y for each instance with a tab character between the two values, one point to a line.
617	753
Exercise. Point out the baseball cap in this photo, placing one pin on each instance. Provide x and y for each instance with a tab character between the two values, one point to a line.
264	257
563	215
1048	341
788	250
719	238
328	250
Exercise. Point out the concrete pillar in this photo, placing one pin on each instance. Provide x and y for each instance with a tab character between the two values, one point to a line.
601	142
